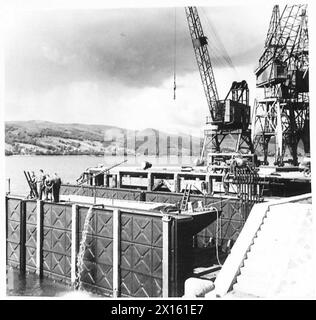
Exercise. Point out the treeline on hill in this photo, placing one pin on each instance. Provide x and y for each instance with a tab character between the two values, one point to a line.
48	138
19	139
13	134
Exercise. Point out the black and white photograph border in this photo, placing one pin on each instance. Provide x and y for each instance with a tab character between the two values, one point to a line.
157	151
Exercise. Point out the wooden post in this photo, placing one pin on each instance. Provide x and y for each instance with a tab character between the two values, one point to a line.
74	241
22	237
165	255
116	253
39	237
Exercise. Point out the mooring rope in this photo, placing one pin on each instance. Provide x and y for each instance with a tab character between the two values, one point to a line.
218	230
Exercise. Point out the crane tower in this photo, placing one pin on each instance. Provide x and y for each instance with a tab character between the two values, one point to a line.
281	117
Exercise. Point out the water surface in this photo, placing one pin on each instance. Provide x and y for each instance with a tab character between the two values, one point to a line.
69	168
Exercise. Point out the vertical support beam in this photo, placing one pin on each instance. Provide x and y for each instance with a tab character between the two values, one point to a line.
74	241
22	237
116	252
150	183
176	182
6	226
279	135
209	182
197	184
165	255
106	180
9	186
119	179
39	237
113	183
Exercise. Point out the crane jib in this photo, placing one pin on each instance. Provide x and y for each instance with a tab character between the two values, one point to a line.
199	41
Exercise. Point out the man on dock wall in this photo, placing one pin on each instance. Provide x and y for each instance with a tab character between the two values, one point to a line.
56	187
40	182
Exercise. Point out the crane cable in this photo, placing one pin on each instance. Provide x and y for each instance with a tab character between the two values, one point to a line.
175	54
220	56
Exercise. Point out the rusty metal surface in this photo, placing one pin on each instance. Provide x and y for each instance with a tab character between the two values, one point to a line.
98	258
229	225
101	192
13	233
232	218
57	239
163	197
234	211
141	255
120	194
140	244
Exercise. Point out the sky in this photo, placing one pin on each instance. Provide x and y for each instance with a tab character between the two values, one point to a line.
116	66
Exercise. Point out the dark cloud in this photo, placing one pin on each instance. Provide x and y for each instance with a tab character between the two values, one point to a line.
131	46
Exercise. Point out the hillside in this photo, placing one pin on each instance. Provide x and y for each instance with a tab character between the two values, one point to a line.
48	138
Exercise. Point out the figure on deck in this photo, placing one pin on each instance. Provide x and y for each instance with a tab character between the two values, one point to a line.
40	181
56	187
33	186
49	188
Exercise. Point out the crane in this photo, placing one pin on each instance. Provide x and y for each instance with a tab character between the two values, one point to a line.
282	116
228	117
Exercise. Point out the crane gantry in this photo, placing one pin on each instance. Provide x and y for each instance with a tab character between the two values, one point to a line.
281	118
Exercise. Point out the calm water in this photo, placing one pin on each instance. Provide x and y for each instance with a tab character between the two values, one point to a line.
69	168
32	285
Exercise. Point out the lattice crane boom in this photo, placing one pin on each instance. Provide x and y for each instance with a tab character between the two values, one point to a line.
199	41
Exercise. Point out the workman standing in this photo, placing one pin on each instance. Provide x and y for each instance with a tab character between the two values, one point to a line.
49	187
56	187
33	190
40	182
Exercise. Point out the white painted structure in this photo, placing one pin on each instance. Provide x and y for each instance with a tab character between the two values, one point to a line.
272	257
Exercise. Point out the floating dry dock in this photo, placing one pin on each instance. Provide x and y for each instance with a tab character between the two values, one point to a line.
138	243
130	251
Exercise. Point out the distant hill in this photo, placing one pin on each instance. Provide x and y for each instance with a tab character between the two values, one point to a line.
49	138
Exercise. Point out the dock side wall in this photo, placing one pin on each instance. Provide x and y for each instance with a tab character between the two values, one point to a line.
234	212
124	248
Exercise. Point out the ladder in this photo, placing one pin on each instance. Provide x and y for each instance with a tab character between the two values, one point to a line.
32	185
185	198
